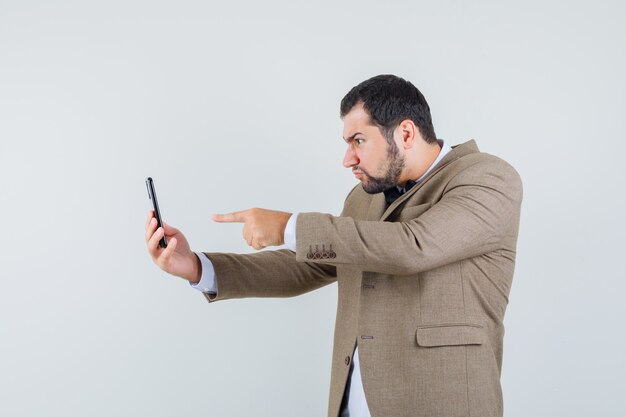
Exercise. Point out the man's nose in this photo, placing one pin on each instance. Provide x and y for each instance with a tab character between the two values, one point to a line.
350	159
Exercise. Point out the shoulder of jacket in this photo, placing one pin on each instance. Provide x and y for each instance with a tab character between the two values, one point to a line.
352	191
486	169
477	161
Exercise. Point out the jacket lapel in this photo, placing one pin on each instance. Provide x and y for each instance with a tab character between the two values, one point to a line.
377	206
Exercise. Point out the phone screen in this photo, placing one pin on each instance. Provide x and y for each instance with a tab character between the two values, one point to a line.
155	205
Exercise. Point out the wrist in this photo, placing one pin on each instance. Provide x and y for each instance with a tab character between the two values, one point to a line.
284	226
197	269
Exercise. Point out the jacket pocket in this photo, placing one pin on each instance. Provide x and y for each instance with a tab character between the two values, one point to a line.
450	335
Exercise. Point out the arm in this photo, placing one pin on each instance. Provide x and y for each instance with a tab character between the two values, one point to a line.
299	277
266	274
472	217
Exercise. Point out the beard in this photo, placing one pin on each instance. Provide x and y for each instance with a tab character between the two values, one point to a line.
395	163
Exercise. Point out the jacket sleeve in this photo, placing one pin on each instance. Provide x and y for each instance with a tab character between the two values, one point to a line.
272	273
472	217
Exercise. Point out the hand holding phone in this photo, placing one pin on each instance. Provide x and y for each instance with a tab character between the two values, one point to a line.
152	196
175	258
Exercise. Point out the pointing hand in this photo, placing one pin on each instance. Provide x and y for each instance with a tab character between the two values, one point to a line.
261	228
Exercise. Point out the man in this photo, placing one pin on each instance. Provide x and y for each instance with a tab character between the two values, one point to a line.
423	254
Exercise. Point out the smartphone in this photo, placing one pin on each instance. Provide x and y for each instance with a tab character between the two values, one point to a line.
152	196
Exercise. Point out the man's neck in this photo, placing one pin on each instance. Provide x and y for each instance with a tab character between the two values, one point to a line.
431	154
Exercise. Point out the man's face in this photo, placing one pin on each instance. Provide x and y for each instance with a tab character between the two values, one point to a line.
372	160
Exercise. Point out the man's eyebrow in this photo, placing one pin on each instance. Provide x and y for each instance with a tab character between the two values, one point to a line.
352	137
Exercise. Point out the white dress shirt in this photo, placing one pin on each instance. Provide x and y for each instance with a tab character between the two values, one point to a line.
356	404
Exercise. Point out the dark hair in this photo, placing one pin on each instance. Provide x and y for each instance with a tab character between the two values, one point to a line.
389	100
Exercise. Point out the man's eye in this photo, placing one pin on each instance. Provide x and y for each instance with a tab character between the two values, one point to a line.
357	141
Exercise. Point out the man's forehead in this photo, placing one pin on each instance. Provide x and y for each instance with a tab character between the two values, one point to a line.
356	121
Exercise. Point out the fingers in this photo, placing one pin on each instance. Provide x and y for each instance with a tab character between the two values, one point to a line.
237	217
250	240
153	242
150	228
150	216
244	216
165	258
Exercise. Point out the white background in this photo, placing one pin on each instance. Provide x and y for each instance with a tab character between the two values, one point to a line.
231	106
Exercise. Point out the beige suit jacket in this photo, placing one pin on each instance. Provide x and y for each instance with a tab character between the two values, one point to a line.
423	286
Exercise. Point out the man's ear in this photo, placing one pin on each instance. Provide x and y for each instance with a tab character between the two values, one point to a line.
408	133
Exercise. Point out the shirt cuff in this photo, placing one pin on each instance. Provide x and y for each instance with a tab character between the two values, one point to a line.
290	233
207	281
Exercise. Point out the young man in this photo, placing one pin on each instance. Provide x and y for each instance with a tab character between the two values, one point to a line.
423	254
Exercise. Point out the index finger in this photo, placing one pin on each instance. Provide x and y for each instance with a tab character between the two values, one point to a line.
150	216
234	217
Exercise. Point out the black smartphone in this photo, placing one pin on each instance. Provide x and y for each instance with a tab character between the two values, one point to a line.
155	205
